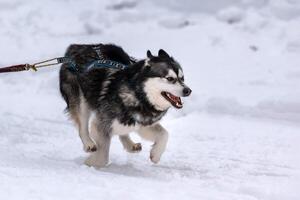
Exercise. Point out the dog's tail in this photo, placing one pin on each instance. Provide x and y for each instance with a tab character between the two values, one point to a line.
68	78
69	86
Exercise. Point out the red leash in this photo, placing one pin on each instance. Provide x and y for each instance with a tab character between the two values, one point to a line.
16	68
35	66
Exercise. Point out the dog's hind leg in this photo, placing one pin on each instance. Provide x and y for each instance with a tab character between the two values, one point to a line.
99	158
76	105
129	145
159	136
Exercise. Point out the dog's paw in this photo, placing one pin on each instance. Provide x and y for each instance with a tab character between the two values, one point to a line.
137	147
90	147
154	159
134	148
155	156
94	162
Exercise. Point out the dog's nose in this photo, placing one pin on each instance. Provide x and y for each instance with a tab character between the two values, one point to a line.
186	91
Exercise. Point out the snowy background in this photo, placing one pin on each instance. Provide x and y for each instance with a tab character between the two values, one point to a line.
237	137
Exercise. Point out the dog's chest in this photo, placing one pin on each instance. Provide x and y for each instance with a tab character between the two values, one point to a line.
119	128
148	119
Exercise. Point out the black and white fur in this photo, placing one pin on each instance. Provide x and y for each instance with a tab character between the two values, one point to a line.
117	102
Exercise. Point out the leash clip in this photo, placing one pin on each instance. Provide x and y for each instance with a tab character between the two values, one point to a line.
28	67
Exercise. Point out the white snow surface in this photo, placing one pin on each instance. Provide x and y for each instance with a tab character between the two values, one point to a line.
237	137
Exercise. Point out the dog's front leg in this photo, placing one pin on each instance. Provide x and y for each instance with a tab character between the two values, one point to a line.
157	134
100	158
129	145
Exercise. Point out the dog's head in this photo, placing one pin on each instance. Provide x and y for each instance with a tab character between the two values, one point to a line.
164	84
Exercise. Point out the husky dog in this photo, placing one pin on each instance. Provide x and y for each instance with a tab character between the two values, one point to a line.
119	101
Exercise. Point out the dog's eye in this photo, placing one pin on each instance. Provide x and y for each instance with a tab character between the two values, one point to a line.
182	79
170	79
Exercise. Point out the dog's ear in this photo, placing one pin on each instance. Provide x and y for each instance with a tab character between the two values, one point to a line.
163	54
149	54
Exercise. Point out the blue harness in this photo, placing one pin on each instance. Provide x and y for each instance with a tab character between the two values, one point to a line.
95	64
106	63
99	63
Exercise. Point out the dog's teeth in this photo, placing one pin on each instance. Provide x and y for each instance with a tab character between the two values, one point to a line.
179	104
174	99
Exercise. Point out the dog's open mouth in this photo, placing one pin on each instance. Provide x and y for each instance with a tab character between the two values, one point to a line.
174	100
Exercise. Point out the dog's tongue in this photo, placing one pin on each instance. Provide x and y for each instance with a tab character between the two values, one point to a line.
177	100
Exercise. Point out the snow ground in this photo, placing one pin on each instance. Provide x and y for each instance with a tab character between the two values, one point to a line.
237	136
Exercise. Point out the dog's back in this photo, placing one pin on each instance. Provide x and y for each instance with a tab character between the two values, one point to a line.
82	55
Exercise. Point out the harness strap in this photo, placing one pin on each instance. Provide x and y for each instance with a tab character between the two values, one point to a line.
99	53
106	63
64	60
100	62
